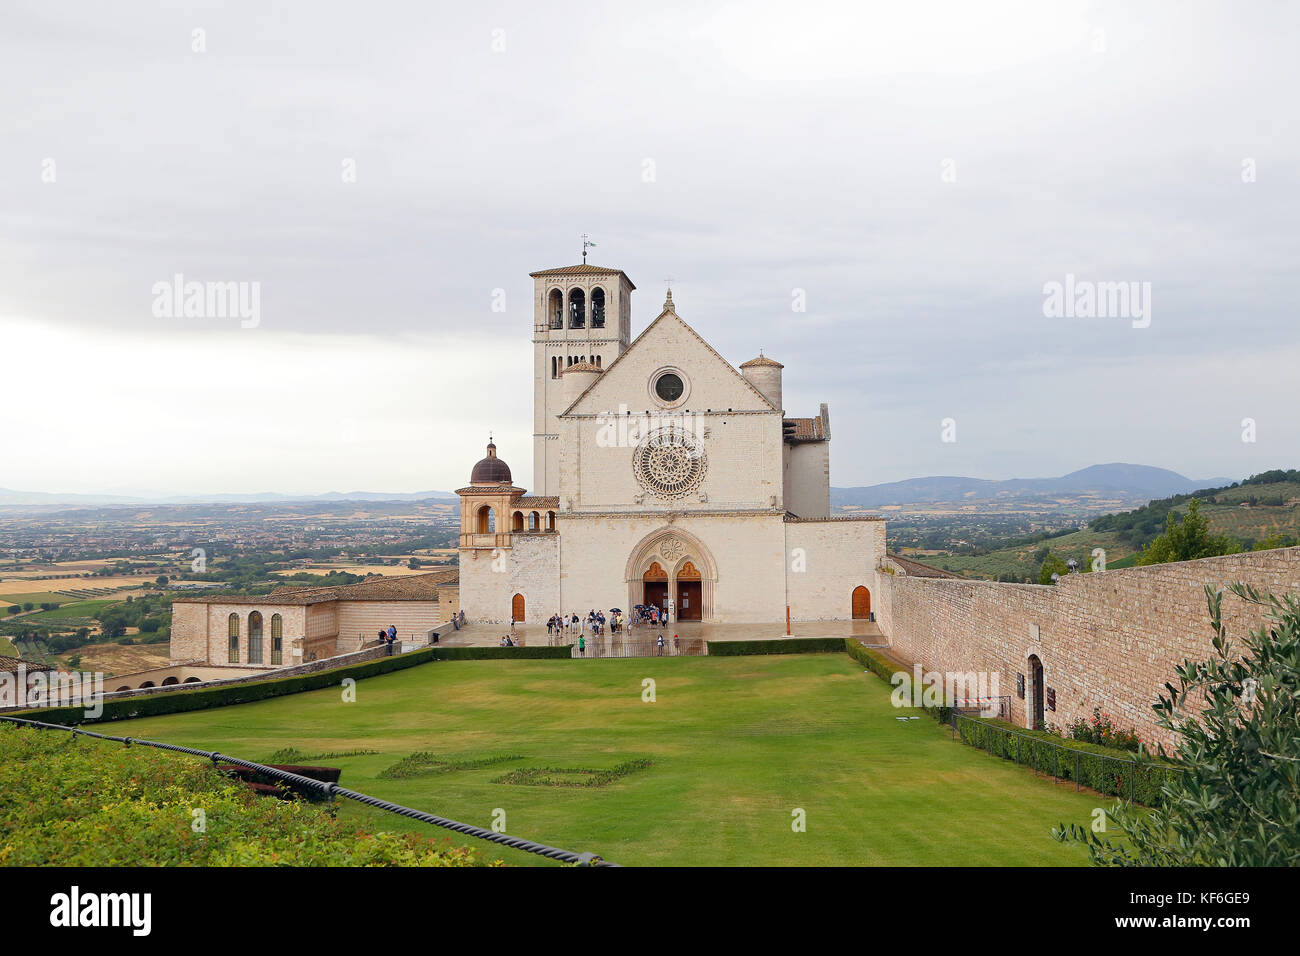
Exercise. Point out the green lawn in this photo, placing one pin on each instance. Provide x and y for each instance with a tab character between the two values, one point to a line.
736	744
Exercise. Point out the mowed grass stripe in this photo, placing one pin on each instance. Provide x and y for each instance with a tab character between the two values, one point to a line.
736	745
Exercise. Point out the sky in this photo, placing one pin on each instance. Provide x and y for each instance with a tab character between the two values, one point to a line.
878	195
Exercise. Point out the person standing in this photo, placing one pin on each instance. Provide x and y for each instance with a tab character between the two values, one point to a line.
582	645
660	644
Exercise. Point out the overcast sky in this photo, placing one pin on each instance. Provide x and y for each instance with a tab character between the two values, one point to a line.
920	171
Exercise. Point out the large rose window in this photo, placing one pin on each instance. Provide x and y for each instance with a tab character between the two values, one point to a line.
669	463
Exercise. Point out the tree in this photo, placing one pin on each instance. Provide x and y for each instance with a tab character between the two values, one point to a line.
161	580
1235	802
1187	539
1051	565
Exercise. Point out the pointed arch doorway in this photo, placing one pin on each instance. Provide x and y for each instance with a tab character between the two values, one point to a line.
690	593
673	570
517	608
655	586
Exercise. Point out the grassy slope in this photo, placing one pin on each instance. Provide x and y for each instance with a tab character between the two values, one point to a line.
737	743
79	802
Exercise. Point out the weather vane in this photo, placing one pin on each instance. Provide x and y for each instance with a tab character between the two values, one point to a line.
585	243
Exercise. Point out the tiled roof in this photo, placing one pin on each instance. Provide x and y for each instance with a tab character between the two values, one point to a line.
761	362
918	570
582	367
505	488
10	665
407	587
804	429
538	501
582	270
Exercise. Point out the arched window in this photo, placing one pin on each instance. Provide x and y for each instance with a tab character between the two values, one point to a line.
485	520
550	521
597	308
517	521
555	309
577	309
555	367
277	639
255	637
534	521
598	365
232	639
168	681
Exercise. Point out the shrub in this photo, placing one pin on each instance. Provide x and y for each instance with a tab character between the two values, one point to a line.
1108	771
785	645
1099	730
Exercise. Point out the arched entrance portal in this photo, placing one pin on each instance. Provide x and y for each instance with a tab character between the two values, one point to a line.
1035	695
861	603
517	608
672	569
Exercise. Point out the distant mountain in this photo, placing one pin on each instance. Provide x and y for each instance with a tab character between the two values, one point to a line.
1130	483
46	501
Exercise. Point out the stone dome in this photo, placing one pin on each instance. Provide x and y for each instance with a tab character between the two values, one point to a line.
490	470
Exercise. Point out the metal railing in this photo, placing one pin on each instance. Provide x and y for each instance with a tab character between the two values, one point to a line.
1101	772
330	790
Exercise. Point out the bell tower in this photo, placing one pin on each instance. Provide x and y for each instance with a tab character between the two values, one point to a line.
581	313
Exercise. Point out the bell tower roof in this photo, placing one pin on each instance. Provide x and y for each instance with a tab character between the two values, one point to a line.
583	270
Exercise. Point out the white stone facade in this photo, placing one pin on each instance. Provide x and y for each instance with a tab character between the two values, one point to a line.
665	476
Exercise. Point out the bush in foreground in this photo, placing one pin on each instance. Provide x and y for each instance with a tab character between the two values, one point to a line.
1238	801
66	801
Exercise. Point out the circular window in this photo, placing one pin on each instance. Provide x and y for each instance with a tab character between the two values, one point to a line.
669	386
669	463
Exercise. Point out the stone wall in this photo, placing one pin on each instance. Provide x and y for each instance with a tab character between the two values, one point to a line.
1107	639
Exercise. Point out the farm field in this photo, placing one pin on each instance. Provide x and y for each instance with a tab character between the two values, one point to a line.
1025	561
11	587
734	746
120	659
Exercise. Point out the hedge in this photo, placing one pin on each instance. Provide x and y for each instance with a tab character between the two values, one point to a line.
878	664
1110	772
178	701
785	645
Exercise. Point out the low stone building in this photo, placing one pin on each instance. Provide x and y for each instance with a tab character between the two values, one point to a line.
295	625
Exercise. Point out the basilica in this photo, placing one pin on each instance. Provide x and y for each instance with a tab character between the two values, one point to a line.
664	475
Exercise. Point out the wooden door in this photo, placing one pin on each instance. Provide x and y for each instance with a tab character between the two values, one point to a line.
517	608
861	603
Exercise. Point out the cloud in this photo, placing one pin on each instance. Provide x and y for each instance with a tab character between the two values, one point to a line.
919	171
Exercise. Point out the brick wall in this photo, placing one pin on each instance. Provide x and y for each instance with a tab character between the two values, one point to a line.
1107	639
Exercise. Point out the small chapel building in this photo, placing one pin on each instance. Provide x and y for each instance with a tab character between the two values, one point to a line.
664	475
